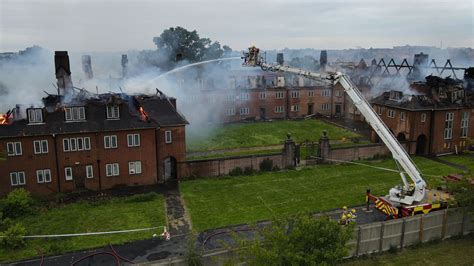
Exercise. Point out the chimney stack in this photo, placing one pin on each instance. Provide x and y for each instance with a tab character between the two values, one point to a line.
323	60
280	58
87	66
63	72
419	61
124	66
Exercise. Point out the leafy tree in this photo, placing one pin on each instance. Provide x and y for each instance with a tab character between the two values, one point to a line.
191	47
464	194
17	203
298	240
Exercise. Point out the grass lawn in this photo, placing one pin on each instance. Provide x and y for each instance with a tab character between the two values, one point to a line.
465	159
105	215
261	134
449	252
233	200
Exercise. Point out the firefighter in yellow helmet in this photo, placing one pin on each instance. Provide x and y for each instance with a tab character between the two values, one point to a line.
344	216
352	216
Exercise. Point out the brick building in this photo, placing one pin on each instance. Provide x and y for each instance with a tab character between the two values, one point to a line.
80	141
437	119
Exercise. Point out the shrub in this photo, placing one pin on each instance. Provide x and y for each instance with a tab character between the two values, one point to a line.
17	203
13	239
142	197
248	170
236	171
276	168
266	165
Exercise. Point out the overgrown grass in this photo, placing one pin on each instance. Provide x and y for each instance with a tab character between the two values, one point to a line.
233	200
261	134
449	252
105	215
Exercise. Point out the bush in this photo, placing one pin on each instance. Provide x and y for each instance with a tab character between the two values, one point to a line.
266	165
142	197
13	239
236	171
276	168
18	202
248	170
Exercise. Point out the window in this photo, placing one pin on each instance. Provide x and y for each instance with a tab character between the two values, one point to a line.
89	171
402	116
230	111
295	108
326	93
43	176
379	110
279	95
76	144
325	106
230	97
87	143
14	149
423	117
17	178
68	173
263	95
112	169
66	144
448	126
133	140
113	112
80	144
73	144
295	94
168	138
40	146
244	111
244	96
279	109
135	168
338	93
75	113
311	93
391	113
35	116
464	124
110	142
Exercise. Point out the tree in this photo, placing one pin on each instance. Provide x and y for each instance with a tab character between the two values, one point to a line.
298	240
190	46
464	194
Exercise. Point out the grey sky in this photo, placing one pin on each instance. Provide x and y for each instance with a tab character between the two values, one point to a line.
106	25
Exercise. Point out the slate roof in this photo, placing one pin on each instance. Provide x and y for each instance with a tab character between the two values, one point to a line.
159	108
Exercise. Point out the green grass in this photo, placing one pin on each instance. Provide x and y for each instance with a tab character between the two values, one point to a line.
465	159
105	215
261	134
449	252
233	200
232	154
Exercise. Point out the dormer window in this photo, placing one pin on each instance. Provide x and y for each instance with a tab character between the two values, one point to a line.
35	115
113	112
457	95
75	113
396	95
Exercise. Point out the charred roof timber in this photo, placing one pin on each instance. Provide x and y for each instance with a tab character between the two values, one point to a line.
63	71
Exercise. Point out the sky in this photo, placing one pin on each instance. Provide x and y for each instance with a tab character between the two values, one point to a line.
106	25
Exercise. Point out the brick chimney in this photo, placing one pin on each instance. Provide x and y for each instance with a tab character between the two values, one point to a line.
323	60
280	59
63	72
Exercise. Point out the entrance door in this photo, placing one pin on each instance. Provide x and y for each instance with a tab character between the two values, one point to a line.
169	168
338	110
421	144
79	176
263	114
310	109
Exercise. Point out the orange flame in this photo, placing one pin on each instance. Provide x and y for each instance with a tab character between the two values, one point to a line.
4	119
144	115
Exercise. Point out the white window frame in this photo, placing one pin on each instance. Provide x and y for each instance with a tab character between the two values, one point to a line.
133	140
15	179
73	144
464	124
68	173
295	108
448	125
326	93
89	171
423	117
66	145
112	169
76	113
168	136
279	109
113	112
110	139
14	148
80	144
325	106
134	168
391	113
35	116
244	96
244	111
263	95
338	93
279	95
45	175
295	94
230	111
402	116
310	93
87	143
40	146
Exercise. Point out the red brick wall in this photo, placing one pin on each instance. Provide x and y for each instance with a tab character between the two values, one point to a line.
176	149
28	162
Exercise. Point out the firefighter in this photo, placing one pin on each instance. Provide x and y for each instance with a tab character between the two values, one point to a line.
344	216
352	216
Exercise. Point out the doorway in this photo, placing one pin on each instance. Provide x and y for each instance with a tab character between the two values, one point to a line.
169	168
421	144
310	108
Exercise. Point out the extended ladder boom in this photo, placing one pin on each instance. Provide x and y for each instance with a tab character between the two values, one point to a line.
405	194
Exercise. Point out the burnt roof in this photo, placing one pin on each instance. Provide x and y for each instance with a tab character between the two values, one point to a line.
160	109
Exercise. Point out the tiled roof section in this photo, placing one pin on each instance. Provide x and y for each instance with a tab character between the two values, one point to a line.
160	110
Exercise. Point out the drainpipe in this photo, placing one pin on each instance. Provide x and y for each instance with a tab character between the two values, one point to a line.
56	160
431	132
